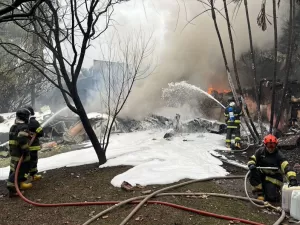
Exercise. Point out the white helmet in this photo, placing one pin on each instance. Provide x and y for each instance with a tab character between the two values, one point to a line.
232	104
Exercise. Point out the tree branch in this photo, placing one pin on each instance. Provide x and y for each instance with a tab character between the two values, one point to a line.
19	16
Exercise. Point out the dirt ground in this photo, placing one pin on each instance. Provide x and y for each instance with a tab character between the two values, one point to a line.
89	183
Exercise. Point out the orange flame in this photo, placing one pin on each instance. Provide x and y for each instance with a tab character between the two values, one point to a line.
211	89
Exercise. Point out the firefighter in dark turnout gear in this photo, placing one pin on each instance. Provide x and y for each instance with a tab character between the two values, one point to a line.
232	118
19	139
267	183
35	129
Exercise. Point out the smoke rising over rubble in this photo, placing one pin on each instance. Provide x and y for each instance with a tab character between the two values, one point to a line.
193	54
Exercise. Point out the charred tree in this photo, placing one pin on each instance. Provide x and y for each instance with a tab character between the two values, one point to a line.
275	67
288	64
256	85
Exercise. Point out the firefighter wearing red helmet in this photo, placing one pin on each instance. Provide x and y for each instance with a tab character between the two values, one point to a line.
267	183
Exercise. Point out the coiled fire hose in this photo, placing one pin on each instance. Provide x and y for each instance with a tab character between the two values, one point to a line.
245	183
133	200
279	209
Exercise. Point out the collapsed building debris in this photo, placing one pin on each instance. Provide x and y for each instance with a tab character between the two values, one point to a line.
194	125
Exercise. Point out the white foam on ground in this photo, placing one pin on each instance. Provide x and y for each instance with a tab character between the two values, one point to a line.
155	160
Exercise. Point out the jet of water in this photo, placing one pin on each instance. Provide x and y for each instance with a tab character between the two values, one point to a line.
210	96
52	117
184	92
46	122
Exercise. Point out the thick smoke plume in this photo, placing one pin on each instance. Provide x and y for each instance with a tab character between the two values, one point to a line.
193	54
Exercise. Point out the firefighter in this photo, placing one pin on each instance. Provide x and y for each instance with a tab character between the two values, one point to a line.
35	129
19	138
267	183
232	119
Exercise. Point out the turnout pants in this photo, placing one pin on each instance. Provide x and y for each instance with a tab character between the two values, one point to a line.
234	130
270	185
33	163
25	165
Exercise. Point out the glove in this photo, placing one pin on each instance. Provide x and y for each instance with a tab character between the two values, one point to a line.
293	182
252	167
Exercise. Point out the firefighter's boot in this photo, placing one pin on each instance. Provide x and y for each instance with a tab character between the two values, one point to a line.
258	192
261	198
36	177
25	186
13	193
238	145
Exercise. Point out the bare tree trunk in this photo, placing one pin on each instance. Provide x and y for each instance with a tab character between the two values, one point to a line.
275	66
32	95
223	52
35	47
294	46
88	128
236	71
288	65
253	68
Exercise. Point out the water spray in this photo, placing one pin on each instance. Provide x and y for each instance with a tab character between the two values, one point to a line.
52	116
185	92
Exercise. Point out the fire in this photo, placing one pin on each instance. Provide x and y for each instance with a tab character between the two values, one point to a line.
219	90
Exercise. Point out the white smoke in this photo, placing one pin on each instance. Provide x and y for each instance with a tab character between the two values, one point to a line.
192	54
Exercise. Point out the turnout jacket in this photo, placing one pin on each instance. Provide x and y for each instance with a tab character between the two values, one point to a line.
263	158
35	127
18	140
237	112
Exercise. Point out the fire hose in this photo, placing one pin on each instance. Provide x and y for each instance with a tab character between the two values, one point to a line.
266	204
118	203
279	221
245	182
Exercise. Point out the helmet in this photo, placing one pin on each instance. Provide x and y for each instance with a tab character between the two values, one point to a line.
270	141
232	104
231	99
30	110
23	114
